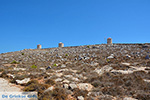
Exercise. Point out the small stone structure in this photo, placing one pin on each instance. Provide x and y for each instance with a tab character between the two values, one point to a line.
39	46
109	41
60	44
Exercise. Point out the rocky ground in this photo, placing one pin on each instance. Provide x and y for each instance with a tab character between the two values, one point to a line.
91	72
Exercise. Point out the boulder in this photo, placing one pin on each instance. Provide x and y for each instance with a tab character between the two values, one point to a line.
147	57
85	86
49	67
63	66
104	69
72	86
49	89
80	98
129	98
24	81
65	86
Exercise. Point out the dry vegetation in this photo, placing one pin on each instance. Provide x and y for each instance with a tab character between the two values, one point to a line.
93	72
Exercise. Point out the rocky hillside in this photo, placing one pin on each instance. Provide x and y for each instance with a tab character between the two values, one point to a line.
91	72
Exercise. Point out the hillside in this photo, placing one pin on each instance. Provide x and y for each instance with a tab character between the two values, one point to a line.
91	72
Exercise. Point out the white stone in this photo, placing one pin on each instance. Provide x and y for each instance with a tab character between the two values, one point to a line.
58	79
85	86
129	98
24	81
72	86
80	98
104	69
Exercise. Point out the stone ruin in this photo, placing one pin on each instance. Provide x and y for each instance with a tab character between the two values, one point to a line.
39	46
60	44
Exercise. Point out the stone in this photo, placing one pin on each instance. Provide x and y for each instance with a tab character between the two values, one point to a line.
24	81
80	98
66	81
128	56
129	98
63	66
10	75
110	57
49	89
126	64
68	76
58	79
72	86
43	69
85	86
75	79
104	69
65	86
58	74
147	57
17	69
49	67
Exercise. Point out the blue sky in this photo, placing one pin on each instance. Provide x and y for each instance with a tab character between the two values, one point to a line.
26	23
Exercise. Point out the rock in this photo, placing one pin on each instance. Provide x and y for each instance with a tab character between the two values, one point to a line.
68	76
85	86
49	89
111	56
49	67
66	81
43	69
145	46
65	86
74	79
17	69
10	75
63	66
58	79
94	64
147	57
24	81
128	56
129	98
72	86
80	98
104	69
59	74
126	64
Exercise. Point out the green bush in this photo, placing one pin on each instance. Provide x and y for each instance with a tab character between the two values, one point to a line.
14	62
33	66
55	65
22	53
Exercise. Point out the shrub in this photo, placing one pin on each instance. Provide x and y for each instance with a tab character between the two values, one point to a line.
4	74
33	66
33	85
14	62
78	92
22	53
55	65
59	94
96	83
1	70
50	81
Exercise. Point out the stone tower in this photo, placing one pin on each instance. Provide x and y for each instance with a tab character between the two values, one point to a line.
39	46
109	40
60	44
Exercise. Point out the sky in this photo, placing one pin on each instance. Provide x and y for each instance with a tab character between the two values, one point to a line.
26	23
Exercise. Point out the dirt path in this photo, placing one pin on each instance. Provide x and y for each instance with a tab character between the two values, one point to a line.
5	86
